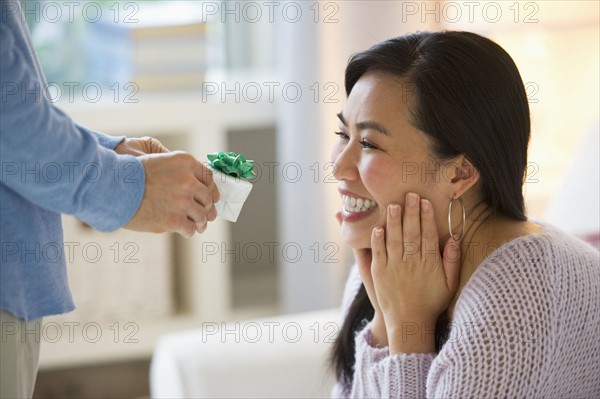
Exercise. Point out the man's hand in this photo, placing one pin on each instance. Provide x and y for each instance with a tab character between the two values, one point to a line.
180	192
140	146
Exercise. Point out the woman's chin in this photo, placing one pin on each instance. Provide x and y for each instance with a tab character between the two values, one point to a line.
355	239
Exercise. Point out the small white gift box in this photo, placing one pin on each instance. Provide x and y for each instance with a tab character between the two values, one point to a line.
234	191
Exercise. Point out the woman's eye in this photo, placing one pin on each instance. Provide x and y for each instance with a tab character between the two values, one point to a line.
342	135
363	143
366	144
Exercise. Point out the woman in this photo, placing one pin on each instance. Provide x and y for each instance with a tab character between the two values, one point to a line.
456	293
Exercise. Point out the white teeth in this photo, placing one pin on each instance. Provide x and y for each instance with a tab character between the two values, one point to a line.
352	204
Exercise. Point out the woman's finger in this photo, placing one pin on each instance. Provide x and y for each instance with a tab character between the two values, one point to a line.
378	251
430	249
393	232
363	259
411	226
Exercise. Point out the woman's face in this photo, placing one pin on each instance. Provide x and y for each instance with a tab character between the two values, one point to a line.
380	157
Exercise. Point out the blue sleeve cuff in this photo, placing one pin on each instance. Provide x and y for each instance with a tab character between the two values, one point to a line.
125	180
105	140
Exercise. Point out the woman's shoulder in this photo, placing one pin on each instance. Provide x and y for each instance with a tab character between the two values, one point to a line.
533	270
525	313
548	251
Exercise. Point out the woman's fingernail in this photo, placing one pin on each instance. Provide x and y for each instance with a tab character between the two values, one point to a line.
412	199
394	210
378	231
425	205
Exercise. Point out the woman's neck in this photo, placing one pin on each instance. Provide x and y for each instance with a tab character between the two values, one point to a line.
484	233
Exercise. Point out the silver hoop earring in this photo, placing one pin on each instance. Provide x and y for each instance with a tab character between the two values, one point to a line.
464	216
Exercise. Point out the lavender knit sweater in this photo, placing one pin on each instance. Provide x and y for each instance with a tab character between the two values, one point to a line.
526	325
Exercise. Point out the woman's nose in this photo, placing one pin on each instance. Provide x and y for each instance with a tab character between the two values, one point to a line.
345	164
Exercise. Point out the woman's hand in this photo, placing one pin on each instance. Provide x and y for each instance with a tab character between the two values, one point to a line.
413	283
363	259
378	331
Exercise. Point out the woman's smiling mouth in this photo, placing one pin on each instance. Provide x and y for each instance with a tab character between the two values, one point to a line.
355	208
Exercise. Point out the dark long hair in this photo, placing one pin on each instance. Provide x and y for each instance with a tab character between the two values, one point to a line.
468	97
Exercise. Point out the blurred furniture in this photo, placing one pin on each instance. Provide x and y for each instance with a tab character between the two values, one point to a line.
281	357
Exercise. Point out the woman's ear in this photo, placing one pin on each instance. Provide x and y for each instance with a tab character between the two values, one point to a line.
464	177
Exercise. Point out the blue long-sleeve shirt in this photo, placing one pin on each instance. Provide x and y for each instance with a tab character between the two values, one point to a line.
49	165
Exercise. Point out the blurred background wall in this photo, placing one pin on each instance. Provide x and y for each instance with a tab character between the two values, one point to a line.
266	79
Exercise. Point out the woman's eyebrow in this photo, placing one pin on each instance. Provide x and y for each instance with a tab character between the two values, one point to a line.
372	125
366	125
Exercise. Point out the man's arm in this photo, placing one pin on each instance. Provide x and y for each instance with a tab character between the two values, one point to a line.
51	161
106	141
56	164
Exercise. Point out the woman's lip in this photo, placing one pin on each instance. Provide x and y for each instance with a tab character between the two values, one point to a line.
356	216
351	194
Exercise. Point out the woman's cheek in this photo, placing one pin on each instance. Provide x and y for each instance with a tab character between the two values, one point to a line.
378	181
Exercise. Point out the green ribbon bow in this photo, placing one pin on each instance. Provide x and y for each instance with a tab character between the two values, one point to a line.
232	164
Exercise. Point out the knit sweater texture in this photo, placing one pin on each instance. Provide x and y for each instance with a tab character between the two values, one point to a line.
525	325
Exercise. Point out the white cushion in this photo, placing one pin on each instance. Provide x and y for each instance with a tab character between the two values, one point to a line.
280	357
